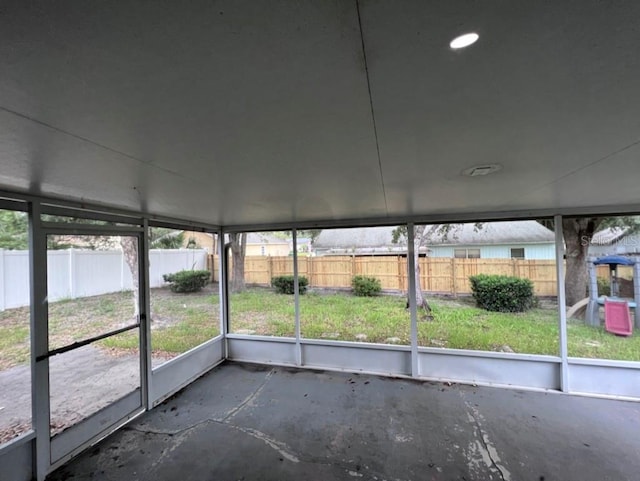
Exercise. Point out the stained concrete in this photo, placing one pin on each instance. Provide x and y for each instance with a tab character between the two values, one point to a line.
244	422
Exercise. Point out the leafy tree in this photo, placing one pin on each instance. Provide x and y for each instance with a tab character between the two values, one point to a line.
286	234
164	238
192	243
13	230
310	233
128	244
14	233
577	233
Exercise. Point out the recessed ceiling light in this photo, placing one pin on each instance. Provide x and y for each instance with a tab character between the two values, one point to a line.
464	40
480	170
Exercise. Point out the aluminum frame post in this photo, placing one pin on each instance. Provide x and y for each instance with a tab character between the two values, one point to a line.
636	291
296	297
223	290
39	310
411	270
562	303
144	300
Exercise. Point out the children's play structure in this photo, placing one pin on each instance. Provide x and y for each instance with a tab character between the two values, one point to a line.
617	310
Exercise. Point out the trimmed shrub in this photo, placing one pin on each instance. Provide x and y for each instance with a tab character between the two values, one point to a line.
187	281
365	286
285	284
502	293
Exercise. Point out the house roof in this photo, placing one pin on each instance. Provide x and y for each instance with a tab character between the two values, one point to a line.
379	239
608	236
262	238
515	232
370	240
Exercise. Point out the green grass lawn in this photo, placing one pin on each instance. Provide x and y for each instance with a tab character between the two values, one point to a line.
179	322
468	327
595	342
456	324
380	319
183	321
14	337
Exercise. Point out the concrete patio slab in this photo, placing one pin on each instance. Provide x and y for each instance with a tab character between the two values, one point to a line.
247	422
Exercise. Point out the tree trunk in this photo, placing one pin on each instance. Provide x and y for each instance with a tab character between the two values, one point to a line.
418	239
238	252
130	251
577	234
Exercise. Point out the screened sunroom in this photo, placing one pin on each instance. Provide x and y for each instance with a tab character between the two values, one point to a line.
142	140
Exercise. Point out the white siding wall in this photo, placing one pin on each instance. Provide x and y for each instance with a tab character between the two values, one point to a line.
539	251
81	273
531	251
498	252
441	251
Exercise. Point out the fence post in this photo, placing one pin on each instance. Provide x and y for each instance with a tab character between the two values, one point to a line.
3	281
269	269
353	266
513	268
310	270
213	267
453	276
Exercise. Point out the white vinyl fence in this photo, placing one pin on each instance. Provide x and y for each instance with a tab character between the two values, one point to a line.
75	273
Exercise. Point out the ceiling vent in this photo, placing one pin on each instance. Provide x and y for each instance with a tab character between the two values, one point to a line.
481	170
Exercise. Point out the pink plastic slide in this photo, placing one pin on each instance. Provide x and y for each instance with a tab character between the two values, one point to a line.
617	318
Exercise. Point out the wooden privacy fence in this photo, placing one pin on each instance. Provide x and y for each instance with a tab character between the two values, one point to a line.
437	274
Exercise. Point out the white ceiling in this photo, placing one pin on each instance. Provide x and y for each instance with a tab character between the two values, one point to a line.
251	112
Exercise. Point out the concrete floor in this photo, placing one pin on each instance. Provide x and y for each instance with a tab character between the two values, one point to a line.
245	422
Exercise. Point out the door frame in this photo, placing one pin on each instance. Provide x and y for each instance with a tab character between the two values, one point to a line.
51	452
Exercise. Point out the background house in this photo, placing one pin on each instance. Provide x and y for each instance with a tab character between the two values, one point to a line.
263	244
258	243
358	241
614	241
491	240
495	240
200	240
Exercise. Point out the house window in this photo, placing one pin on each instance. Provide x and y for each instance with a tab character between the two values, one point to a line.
466	253
473	253
517	253
262	250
